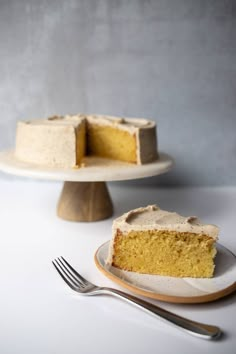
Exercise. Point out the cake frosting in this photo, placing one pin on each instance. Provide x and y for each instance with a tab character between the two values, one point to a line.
57	120
154	218
50	142
129	124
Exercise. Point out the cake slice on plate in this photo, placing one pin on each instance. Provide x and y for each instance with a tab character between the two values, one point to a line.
154	241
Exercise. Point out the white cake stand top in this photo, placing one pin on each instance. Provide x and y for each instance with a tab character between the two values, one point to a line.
95	169
85	196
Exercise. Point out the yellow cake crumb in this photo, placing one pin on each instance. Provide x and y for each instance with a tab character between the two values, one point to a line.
165	253
105	141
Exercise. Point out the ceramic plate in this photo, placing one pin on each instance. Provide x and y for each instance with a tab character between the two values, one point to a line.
171	289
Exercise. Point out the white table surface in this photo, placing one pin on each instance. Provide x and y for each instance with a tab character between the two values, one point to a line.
40	314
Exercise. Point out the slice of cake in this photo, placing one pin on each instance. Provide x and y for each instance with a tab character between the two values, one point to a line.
154	241
64	141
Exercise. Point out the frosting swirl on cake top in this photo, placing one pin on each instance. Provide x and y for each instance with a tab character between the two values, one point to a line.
152	217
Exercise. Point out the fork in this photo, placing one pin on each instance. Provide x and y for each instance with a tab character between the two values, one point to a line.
84	287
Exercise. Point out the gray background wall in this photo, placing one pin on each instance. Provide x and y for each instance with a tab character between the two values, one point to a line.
172	61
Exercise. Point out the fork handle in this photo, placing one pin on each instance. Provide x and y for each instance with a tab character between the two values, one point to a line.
195	328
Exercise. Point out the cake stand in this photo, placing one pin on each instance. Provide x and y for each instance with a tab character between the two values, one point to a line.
85	196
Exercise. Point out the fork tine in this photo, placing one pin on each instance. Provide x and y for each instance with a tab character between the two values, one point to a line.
79	276
69	273
64	276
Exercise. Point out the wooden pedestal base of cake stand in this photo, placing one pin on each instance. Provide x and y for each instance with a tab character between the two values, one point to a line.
84	201
85	196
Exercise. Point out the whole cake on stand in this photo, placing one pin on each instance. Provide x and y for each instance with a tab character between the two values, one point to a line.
65	141
85	151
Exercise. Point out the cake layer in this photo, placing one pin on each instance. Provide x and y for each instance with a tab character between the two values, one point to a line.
153	241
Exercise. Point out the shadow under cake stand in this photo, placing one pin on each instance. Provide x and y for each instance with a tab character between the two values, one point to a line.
85	196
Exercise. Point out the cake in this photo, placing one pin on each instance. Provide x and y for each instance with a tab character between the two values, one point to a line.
153	241
64	140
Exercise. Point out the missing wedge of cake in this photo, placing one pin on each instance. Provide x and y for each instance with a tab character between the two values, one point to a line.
65	140
153	241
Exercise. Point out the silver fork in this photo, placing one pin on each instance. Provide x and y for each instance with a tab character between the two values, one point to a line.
84	287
